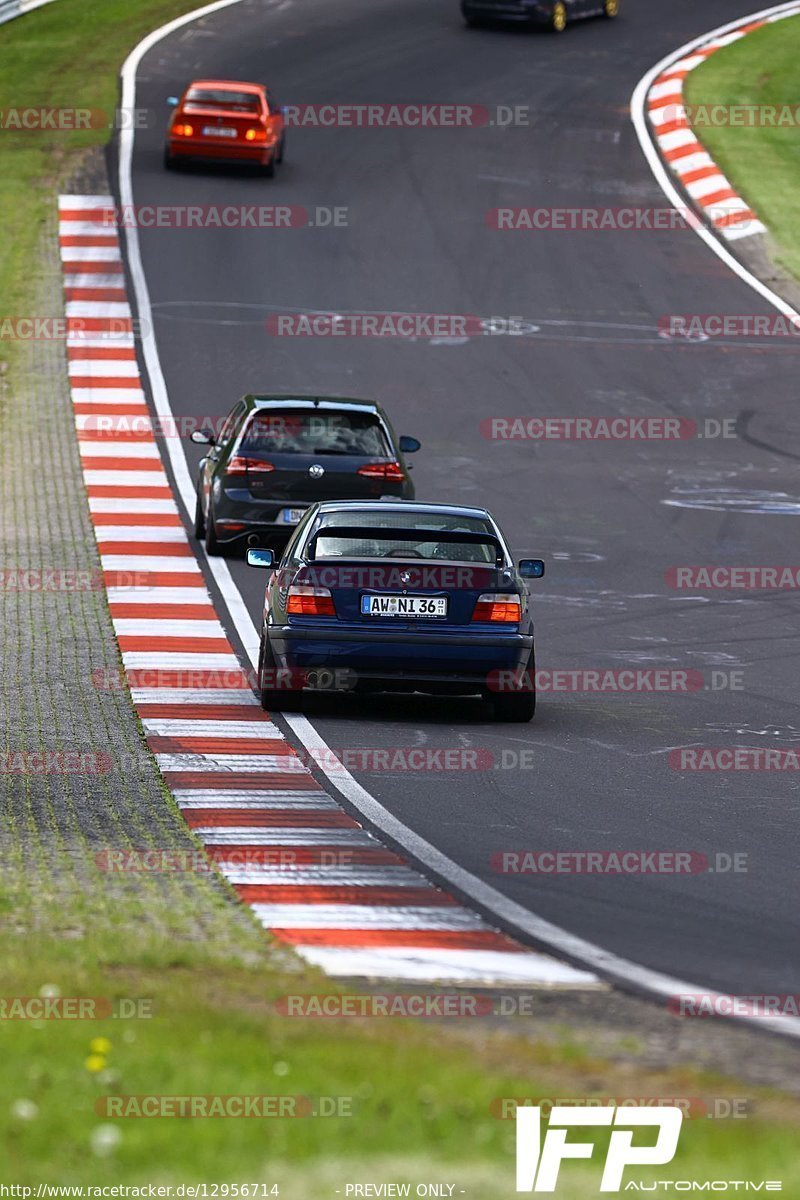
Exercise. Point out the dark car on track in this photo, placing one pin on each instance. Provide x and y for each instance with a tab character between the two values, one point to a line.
276	455
398	597
554	14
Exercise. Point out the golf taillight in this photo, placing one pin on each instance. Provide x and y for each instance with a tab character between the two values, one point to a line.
382	470
182	130
241	465
498	606
255	134
306	601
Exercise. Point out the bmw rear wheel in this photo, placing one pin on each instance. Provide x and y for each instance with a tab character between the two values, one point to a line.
558	20
521	705
274	699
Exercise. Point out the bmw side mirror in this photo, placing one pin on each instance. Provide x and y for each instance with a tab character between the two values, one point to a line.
172	101
203	437
409	445
531	568
261	558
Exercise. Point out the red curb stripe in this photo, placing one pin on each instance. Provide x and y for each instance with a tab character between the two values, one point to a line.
102	295
672	126
268	818
167	612
148	549
700	173
89	239
96	216
121	491
106	266
736	218
104	408
200	712
136	520
716	197
675	97
114	353
423	939
94	463
682	151
265	893
105	381
174	645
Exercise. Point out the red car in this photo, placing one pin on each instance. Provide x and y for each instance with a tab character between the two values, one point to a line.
226	121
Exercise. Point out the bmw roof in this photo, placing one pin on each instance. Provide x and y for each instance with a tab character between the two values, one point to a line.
454	510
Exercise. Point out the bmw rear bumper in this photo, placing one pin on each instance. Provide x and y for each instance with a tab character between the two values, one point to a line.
394	660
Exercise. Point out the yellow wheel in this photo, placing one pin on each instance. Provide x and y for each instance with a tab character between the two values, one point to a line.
611	8
559	18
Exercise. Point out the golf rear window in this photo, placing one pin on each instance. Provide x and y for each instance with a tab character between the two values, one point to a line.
306	431
212	98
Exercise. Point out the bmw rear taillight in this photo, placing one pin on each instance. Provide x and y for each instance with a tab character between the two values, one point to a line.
382	470
306	601
182	130
504	607
241	465
256	134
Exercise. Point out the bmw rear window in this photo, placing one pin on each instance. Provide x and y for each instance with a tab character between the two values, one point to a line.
222	98
426	546
307	431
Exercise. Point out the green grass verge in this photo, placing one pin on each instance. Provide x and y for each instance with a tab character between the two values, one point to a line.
762	163
65	55
420	1100
420	1097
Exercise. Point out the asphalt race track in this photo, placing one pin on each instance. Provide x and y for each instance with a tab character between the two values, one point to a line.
594	773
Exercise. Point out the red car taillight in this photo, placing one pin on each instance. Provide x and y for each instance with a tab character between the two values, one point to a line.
256	134
182	130
500	606
305	601
382	470
240	465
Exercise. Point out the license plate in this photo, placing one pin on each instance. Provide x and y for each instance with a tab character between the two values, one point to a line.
290	516
218	131
404	606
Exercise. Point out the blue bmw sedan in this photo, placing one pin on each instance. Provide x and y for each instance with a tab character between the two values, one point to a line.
397	596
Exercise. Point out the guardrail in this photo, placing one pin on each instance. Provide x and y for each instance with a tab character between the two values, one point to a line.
17	8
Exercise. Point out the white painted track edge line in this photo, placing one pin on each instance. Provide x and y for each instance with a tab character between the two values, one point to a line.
552	937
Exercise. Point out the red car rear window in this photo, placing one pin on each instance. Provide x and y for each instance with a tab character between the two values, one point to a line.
221	98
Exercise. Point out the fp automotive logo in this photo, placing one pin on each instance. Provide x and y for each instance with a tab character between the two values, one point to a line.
538	1164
